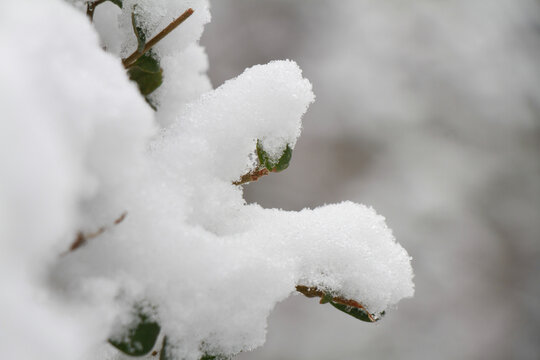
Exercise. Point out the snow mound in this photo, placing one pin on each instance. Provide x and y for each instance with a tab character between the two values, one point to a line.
163	223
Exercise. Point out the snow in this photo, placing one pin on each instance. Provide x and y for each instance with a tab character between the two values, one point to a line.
186	67
80	147
454	168
222	128
69	118
155	15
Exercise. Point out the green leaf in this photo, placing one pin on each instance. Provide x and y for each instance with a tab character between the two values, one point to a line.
147	82
284	160
353	311
147	73
139	32
117	3
148	63
140	339
266	161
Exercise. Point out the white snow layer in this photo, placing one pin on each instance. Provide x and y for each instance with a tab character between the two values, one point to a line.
79	146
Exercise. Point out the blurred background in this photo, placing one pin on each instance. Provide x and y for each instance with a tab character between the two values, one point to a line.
429	111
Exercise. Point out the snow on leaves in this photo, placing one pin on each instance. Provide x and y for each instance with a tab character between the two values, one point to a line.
210	266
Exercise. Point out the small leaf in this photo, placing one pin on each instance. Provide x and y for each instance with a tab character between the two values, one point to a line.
148	62
147	82
266	161
139	32
353	311
117	3
147	73
284	160
140	339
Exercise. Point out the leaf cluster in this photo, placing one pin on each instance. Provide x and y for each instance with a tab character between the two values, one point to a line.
272	165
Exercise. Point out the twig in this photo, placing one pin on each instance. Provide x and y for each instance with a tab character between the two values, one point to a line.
121	218
91	7
128	62
252	176
315	292
82	238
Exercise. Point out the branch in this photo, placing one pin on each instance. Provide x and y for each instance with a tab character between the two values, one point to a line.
128	62
311	292
82	238
252	176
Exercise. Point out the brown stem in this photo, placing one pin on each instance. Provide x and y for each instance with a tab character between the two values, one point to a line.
252	176
128	62
121	218
91	7
82	238
315	292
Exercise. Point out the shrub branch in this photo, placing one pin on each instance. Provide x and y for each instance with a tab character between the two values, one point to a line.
130	60
82	238
252	176
311	292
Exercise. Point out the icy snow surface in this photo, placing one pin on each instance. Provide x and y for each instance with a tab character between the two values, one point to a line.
79	147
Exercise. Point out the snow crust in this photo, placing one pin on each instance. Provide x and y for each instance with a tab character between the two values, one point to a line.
71	128
79	146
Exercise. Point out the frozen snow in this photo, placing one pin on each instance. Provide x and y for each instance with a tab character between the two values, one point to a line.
80	146
71	124
432	106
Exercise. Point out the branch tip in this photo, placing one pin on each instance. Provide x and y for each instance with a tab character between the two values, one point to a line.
311	292
252	176
81	239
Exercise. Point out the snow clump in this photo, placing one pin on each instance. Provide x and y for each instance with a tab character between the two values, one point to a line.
80	147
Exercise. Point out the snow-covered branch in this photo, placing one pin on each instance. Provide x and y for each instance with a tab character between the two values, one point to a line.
192	263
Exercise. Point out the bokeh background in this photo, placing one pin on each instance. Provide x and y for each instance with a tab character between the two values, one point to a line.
429	111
